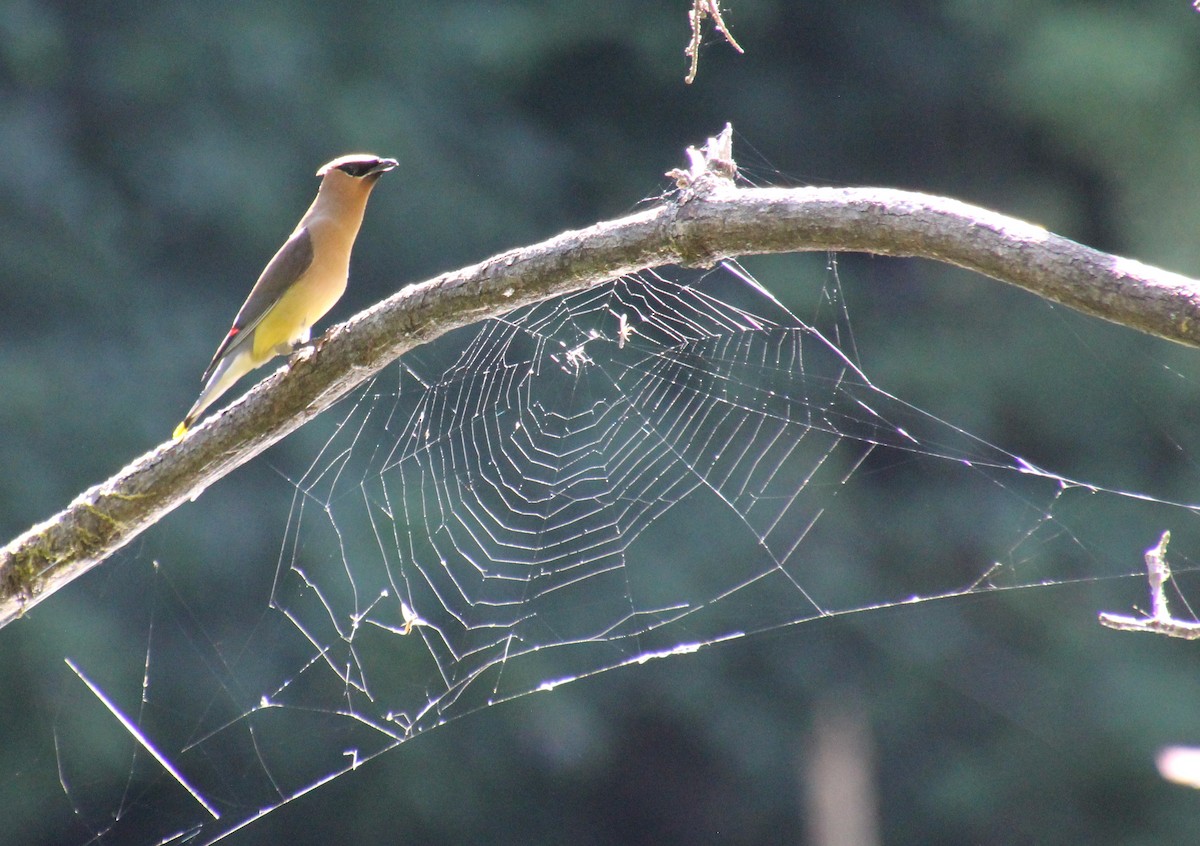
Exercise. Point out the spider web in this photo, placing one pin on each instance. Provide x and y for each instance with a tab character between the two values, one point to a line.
486	521
494	511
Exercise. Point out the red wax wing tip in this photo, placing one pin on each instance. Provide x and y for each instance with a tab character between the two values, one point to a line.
234	331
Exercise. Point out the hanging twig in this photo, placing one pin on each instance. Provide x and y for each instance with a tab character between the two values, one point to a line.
700	10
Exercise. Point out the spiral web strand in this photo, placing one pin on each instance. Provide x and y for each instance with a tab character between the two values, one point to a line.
487	520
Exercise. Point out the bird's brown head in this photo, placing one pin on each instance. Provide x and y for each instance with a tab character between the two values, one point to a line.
359	166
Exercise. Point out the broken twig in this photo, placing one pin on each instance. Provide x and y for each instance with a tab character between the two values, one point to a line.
1160	621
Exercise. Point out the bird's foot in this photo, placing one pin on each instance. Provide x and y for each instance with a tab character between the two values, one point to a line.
305	350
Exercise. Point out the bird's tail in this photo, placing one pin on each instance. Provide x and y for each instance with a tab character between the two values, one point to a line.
228	370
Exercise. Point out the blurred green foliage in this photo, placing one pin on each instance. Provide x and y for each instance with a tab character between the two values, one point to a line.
153	157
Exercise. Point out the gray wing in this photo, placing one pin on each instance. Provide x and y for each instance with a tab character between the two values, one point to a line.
289	264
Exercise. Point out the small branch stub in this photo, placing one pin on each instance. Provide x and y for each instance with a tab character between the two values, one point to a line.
708	167
1160	621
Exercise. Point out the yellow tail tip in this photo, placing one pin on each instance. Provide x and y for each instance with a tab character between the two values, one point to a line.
180	430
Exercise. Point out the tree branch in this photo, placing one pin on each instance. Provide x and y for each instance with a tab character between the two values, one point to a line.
708	219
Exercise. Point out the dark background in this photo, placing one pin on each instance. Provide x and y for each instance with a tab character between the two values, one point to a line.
153	158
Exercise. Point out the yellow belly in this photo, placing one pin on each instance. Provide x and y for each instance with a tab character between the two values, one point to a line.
291	319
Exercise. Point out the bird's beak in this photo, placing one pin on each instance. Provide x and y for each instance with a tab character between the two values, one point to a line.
384	165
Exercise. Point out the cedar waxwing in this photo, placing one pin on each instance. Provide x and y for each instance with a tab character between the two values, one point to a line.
300	284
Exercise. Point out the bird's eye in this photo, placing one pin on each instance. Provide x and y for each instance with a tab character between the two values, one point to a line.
359	168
